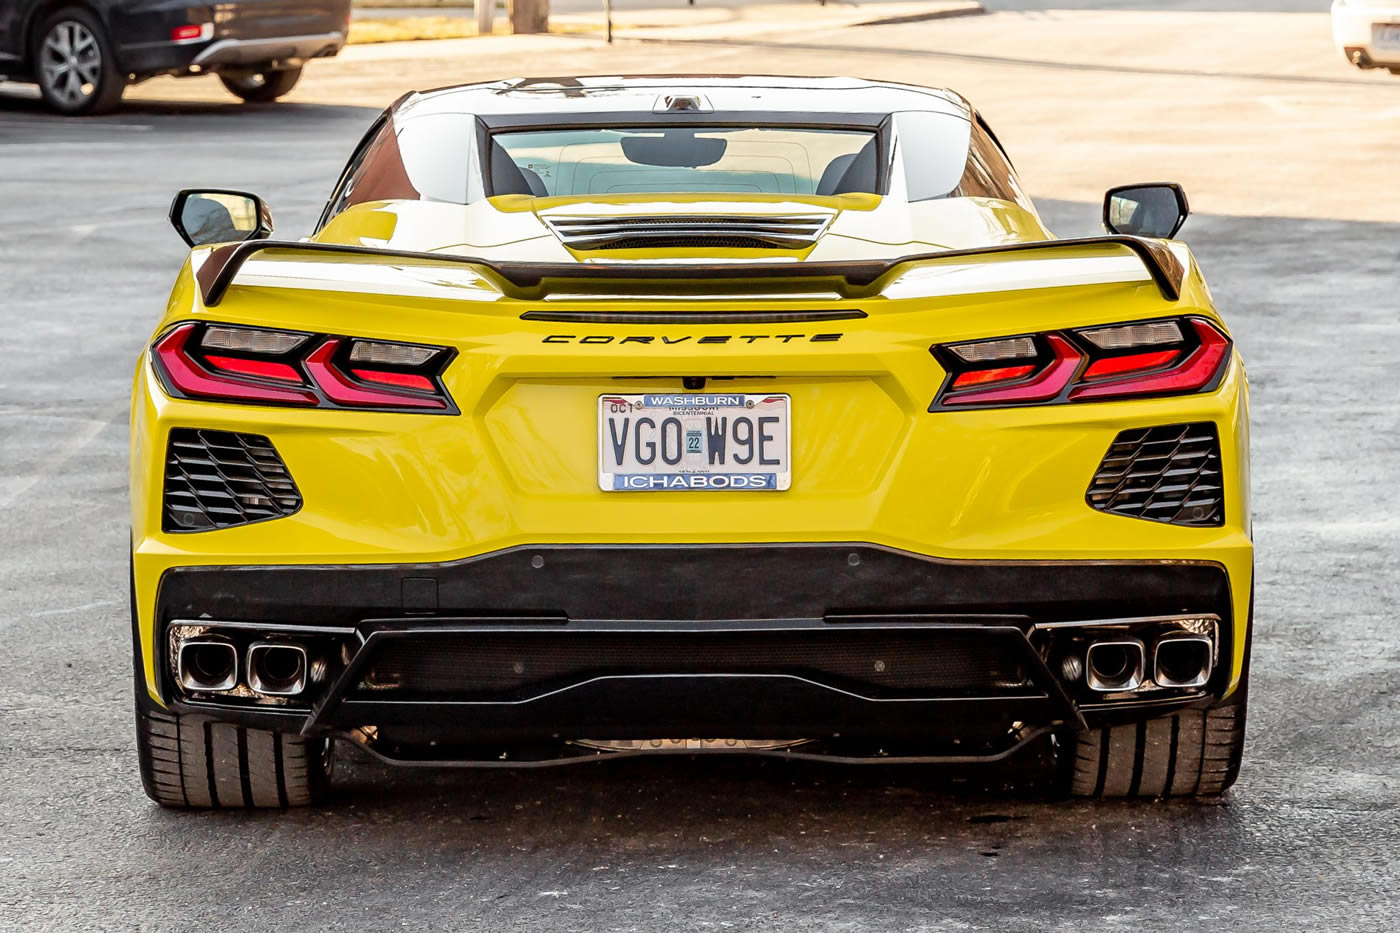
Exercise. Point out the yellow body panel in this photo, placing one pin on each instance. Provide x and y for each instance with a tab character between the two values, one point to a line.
519	464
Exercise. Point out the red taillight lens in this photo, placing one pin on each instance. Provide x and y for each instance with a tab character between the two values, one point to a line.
1132	363
401	380
287	368
1197	369
279	371
189	377
192	33
1054	374
978	377
342	391
1164	357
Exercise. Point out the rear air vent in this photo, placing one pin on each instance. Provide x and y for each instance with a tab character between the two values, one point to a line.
1164	474
496	666
780	231
216	479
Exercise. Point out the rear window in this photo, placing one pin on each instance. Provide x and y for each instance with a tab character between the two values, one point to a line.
683	160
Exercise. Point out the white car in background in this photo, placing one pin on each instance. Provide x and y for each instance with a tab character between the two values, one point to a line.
1368	32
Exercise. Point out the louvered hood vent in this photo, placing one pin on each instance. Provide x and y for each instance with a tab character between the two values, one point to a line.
775	231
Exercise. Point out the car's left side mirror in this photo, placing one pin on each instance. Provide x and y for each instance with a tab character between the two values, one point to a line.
210	215
1156	210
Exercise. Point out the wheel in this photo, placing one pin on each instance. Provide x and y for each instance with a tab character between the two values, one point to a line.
75	64
194	762
262	87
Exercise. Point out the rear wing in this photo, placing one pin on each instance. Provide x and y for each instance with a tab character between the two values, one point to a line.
527	280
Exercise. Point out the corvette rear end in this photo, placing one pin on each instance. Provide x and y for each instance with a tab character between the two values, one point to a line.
680	472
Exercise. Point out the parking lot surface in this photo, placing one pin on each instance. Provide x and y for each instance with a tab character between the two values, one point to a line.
1306	841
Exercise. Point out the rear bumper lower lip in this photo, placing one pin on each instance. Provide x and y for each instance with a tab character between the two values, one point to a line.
288	49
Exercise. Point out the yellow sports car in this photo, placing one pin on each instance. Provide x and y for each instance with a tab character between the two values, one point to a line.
614	416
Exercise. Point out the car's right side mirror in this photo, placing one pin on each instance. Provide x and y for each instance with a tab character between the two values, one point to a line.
1156	210
211	215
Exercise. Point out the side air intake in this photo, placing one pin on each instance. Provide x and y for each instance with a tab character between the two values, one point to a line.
1164	474
217	479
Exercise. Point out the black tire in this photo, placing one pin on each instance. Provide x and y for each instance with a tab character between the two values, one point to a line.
262	87
86	82
195	762
1193	753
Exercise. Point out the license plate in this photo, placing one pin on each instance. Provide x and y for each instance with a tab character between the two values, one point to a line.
1385	35
713	441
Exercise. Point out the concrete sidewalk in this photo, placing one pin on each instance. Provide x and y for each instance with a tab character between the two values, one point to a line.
752	21
709	20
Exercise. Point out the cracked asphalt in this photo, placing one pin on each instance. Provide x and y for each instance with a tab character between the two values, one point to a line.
1306	841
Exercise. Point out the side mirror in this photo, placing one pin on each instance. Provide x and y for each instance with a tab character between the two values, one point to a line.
1156	210
209	215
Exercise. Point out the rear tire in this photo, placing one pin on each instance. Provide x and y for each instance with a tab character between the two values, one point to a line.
1193	753
262	87
75	64
189	761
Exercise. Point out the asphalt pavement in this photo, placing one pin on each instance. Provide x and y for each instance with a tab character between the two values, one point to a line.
1305	842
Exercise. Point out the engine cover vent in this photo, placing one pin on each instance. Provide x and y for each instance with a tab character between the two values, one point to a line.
1164	474
217	479
717	231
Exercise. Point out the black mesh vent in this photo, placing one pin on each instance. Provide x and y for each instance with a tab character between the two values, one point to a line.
1166	474
494	665
689	242
214	479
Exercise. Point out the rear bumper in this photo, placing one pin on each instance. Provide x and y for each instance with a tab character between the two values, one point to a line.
289	50
846	643
1354	34
148	58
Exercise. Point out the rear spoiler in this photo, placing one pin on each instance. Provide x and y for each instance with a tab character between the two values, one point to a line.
219	269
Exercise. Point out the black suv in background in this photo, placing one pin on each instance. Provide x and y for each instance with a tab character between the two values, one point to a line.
83	53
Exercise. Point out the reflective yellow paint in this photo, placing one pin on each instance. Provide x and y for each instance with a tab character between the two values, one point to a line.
519	465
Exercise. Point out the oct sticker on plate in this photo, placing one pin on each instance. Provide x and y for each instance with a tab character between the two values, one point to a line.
713	441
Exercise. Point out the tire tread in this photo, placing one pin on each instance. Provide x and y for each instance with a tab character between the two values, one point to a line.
193	762
1191	753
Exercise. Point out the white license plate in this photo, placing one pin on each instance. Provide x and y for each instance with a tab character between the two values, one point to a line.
704	441
1385	35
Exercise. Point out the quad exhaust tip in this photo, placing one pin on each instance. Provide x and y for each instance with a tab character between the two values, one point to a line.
1183	661
277	668
1115	666
207	665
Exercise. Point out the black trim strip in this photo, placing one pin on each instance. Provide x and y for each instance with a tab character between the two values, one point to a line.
692	317
528	279
554	581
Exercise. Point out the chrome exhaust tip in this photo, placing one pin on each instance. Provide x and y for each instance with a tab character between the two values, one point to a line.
206	665
1115	666
277	668
1183	661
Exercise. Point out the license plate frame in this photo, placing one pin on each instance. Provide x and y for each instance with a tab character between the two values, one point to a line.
712	417
1385	35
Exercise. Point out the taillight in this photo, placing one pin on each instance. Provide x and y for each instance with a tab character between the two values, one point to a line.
274	367
192	33
1166	357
